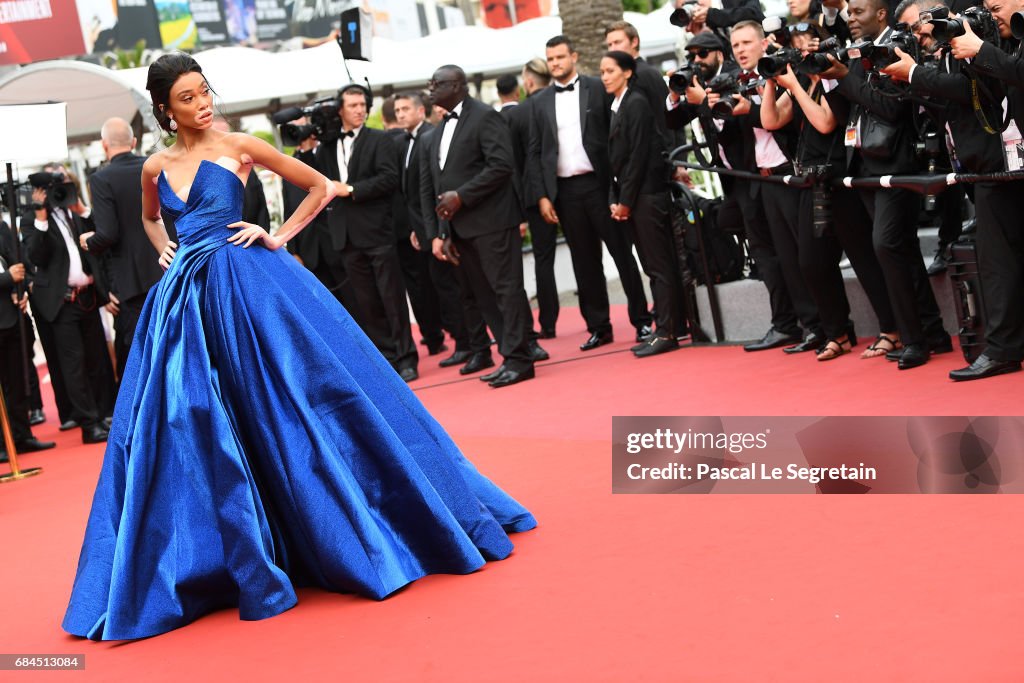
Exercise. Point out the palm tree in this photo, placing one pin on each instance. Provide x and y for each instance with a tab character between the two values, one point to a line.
584	22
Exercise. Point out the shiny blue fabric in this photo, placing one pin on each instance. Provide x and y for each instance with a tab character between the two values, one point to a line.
260	441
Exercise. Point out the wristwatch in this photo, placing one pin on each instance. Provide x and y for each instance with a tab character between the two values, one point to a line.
351	190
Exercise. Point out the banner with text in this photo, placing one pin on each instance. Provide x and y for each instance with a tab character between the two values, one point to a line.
817	454
33	30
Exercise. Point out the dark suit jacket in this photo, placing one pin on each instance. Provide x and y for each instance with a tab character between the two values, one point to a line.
413	201
399	213
363	220
634	151
1002	64
8	311
48	252
651	84
480	167
518	119
254	202
543	156
721	21
117	213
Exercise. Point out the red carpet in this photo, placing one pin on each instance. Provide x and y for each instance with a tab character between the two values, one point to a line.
608	588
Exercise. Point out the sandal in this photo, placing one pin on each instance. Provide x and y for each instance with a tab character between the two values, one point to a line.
834	348
877	349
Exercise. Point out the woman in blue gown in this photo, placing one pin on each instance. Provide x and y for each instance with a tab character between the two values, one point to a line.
260	441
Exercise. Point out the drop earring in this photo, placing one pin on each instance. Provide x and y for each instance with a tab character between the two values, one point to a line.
173	125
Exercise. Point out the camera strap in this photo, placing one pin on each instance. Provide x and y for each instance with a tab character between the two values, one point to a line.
979	90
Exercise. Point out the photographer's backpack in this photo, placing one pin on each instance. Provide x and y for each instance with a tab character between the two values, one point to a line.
723	249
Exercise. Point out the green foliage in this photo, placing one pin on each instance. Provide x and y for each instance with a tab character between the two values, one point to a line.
127	59
642	6
374	120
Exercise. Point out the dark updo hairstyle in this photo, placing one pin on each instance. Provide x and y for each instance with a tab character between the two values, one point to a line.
624	60
163	74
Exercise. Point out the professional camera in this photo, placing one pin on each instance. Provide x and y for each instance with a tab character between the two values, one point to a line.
817	62
323	118
776	26
930	147
60	192
1017	25
731	88
980	19
775	64
22	196
877	57
681	16
683	78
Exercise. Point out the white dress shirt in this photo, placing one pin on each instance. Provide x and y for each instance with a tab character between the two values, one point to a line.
345	144
77	276
767	153
572	156
448	133
415	136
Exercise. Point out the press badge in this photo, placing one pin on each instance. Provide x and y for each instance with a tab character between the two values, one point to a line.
852	137
1013	148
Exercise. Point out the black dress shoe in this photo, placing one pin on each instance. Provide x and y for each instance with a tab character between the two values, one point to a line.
982	367
457	358
537	353
94	434
811	342
491	376
36	417
894	355
657	345
512	377
772	339
409	374
32	444
478	362
436	348
940	263
68	424
643	333
943	344
597	340
107	421
546	334
914	355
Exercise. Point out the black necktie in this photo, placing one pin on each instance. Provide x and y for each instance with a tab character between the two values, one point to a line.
348	134
567	88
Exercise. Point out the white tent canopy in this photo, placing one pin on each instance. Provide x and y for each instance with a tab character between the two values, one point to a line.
252	81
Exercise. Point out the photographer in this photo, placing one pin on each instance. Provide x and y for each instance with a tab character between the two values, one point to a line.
718	17
879	139
773	243
1000	227
66	299
831	220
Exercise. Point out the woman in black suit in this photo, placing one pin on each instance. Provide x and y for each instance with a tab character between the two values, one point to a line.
639	195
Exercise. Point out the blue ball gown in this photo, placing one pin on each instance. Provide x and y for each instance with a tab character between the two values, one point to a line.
260	441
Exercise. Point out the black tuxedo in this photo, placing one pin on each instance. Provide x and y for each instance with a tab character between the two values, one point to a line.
69	323
480	167
639	182
651	84
132	264
543	235
361	227
581	203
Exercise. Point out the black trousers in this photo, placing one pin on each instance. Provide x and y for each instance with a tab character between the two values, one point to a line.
544	238
444	278
376	278
850	231
329	269
493	267
582	208
12	378
762	250
1000	245
425	302
894	235
951	214
782	211
652	233
125	323
81	356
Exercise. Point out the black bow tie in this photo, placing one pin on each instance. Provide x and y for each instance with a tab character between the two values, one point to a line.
348	134
450	115
567	88
410	137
